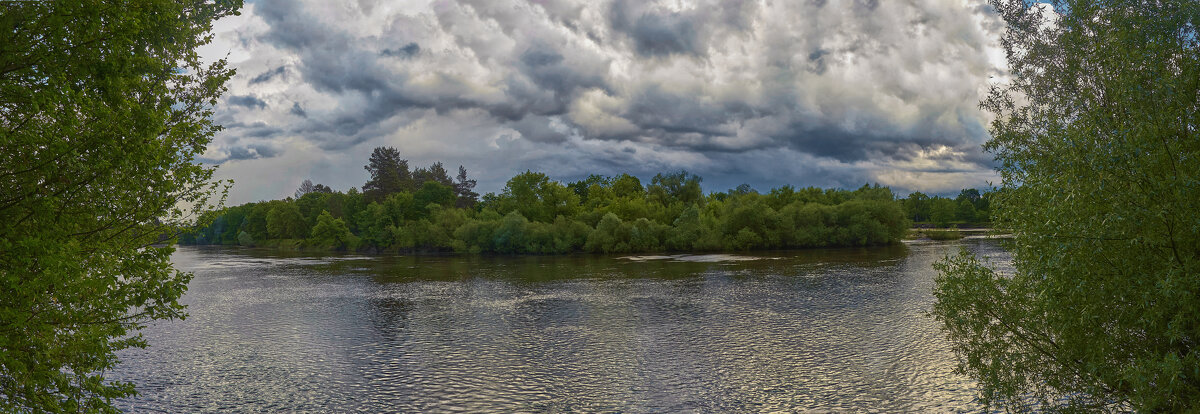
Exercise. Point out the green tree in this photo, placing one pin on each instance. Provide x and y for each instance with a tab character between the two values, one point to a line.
433	192
510	236
629	208
569	235
678	187
245	239
476	234
331	232
464	190
750	223
610	236
626	185
582	187
400	207
234	218
969	194
646	235
965	211
389	174
743	189
436	173
684	230
256	221
311	205
374	226
426	235
1098	138
284	221
104	106
537	197
352	203
307	186
812	223
918	206
970	202
942	211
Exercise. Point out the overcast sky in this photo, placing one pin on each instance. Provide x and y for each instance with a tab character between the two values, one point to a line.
823	92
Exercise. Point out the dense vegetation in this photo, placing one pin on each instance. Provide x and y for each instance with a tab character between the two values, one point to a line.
970	207
1098	138
103	107
425	210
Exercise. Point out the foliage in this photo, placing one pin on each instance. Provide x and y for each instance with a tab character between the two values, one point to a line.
534	214
103	108
332	233
285	221
464	190
435	193
969	207
389	174
1097	135
536	197
245	239
308	187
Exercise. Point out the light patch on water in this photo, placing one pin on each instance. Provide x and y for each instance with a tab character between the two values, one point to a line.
695	258
989	236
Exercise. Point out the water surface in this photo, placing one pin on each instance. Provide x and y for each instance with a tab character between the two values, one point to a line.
834	329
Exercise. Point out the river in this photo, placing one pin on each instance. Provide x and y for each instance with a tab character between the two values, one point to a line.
825	330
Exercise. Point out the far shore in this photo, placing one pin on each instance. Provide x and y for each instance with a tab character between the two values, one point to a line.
954	233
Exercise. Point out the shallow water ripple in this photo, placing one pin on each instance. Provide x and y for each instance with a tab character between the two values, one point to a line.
827	330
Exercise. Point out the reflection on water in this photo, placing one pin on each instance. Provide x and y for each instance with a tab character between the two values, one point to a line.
701	258
838	329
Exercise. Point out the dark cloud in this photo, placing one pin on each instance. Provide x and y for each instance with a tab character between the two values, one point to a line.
265	132
257	129
538	129
406	51
248	101
665	34
248	152
839	144
656	33
268	75
555	82
816	61
869	5
297	110
251	152
536	57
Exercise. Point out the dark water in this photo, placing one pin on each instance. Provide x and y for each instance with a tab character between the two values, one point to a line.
837	330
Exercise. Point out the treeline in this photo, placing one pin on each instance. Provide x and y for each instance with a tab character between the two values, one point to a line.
425	210
969	207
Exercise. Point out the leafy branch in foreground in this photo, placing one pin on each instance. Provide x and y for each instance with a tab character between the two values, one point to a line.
103	107
1098	136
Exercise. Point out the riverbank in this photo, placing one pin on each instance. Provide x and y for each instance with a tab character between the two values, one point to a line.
304	246
953	233
536	215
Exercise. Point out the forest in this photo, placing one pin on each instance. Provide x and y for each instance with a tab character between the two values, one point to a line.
424	210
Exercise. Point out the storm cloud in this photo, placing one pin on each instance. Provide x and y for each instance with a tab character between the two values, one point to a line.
767	93
269	75
246	101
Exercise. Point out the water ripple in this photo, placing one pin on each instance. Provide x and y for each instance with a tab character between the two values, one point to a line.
829	330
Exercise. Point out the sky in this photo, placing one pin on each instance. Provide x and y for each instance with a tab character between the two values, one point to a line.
820	93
